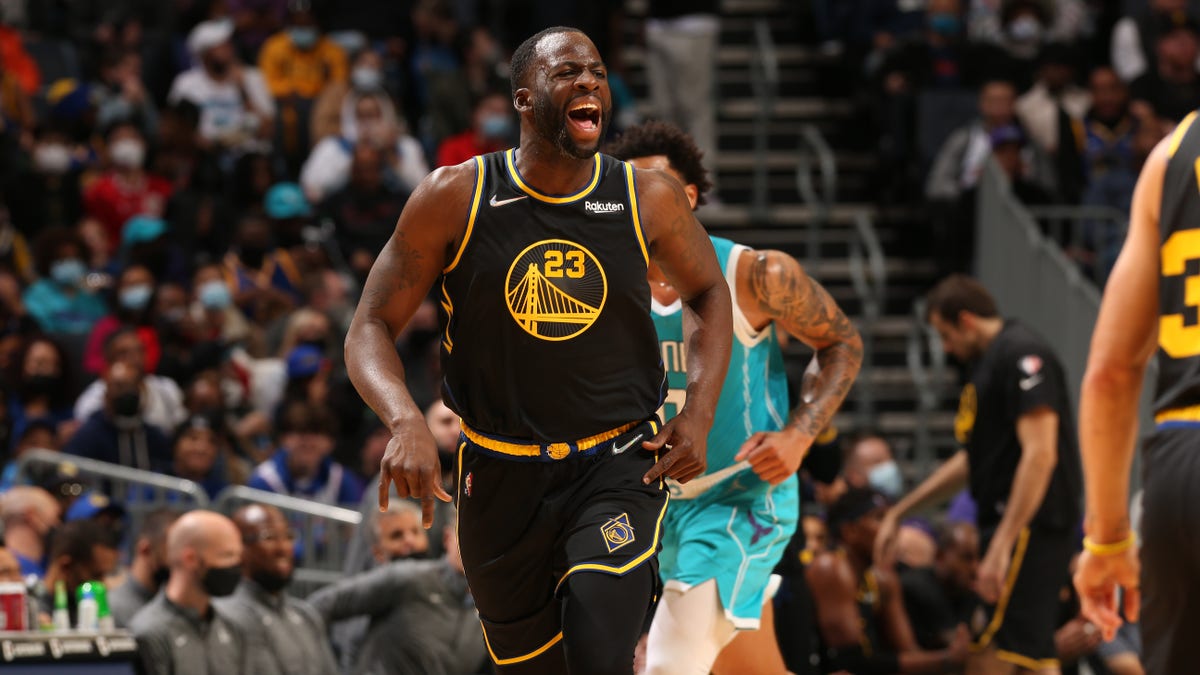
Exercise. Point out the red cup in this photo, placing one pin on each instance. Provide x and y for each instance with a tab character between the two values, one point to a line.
13	607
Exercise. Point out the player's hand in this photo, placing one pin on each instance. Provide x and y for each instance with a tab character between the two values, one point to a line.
885	539
686	441
1096	580
993	569
960	645
1077	638
775	455
411	462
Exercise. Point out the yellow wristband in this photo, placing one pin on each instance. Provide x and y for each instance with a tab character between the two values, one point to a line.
1109	549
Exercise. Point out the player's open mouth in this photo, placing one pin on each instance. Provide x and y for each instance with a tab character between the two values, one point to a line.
584	115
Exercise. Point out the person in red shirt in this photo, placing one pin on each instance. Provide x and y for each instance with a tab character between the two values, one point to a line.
125	190
491	129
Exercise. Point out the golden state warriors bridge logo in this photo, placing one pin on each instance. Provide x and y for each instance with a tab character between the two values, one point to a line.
556	289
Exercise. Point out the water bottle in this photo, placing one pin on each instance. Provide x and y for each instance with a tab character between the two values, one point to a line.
106	622
61	618
88	610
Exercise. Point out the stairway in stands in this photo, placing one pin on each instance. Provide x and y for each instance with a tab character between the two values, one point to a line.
814	88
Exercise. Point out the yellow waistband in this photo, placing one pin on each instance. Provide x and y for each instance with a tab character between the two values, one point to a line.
1188	414
552	450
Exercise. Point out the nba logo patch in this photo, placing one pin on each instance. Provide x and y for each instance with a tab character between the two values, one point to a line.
1030	365
467	484
617	532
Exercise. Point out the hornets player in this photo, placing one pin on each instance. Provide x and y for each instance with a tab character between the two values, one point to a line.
1149	309
726	530
550	358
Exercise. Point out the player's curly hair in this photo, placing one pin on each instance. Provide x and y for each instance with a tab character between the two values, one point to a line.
522	58
660	138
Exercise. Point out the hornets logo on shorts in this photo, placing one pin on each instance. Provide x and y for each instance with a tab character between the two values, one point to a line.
555	289
617	532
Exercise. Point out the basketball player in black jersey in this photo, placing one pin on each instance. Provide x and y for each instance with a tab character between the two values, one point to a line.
1149	307
550	357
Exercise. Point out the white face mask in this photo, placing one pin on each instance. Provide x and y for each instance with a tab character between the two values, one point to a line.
366	79
128	153
52	158
1025	29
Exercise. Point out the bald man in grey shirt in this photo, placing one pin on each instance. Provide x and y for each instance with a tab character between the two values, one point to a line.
181	632
286	635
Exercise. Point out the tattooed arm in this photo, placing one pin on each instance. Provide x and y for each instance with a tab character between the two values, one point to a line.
772	287
429	228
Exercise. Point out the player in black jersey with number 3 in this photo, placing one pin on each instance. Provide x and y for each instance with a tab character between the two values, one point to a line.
550	357
1149	307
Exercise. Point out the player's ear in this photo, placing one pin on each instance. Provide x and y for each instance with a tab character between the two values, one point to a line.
693	194
523	99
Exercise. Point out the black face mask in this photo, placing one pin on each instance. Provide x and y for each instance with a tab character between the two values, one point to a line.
127	404
270	581
160	576
41	385
217	68
221	581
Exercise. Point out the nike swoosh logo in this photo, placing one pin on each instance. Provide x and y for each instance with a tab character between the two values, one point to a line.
622	448
1030	382
501	202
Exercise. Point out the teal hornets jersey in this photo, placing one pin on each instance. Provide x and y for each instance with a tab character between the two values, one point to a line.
754	397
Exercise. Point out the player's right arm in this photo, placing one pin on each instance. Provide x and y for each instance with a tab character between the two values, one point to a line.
427	234
950	477
1125	337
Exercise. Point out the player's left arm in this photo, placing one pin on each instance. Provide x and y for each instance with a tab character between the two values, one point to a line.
898	629
681	248
773	287
1037	432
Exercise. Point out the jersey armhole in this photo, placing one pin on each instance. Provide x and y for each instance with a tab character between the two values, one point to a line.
742	328
480	175
631	190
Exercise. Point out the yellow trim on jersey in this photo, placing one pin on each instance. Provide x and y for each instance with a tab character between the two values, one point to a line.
524	657
1026	662
448	305
631	190
458	487
1014	569
535	449
479	176
619	571
1188	414
512	171
1180	132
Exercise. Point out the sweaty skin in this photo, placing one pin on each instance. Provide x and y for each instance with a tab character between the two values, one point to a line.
430	230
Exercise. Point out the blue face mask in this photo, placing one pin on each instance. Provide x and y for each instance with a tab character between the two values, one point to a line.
135	298
945	24
69	272
496	127
304	37
215	295
887	479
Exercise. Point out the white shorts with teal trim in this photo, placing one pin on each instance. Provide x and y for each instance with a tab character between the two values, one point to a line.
734	538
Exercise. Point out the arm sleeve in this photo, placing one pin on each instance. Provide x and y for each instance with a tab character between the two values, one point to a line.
368	594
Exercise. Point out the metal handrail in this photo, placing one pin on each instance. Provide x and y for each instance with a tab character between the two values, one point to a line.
115	472
764	80
922	341
868	275
241	493
814	146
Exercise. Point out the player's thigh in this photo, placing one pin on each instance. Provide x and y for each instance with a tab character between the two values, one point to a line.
689	630
753	652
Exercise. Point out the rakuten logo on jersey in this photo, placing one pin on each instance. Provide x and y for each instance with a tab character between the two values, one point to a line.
603	207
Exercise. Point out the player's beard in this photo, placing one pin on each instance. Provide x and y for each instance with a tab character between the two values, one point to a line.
551	124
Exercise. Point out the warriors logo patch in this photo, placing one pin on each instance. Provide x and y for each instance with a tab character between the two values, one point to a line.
617	532
555	289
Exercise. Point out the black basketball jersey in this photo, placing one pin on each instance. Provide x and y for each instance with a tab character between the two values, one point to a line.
1179	265
546	309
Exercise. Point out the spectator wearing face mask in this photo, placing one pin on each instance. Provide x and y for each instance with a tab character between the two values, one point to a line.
492	128
297	63
333	112
148	571
42	386
125	190
1132	50
202	455
133	308
161	400
212	316
119	433
870	463
60	299
375	123
49	187
236	108
365	209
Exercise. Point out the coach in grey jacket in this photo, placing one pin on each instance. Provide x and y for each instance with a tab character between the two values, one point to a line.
423	620
285	635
